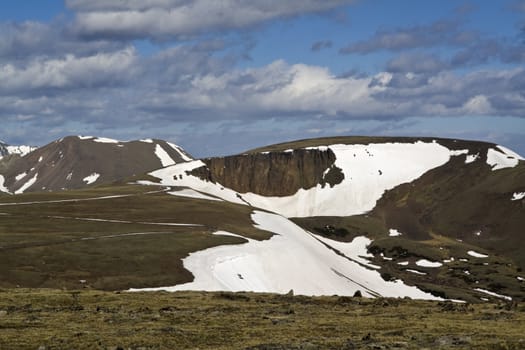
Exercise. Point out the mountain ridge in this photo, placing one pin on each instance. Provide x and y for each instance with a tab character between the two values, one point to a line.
427	218
78	161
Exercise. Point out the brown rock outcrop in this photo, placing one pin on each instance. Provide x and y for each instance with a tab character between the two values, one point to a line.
273	173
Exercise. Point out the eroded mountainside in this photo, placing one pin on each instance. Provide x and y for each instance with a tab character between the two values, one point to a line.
76	162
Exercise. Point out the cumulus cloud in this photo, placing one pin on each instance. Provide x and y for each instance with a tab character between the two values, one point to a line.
162	19
304	91
258	93
68	72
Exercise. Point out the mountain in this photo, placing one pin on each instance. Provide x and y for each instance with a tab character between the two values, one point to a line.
334	177
444	215
78	161
427	218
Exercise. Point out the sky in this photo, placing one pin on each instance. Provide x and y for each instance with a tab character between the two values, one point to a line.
220	77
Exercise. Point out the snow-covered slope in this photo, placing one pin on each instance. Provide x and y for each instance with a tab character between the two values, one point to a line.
502	157
6	149
369	170
291	259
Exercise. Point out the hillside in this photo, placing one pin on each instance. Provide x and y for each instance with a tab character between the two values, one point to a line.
388	217
76	162
444	215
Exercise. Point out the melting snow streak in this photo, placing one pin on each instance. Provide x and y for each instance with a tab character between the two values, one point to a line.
28	184
164	157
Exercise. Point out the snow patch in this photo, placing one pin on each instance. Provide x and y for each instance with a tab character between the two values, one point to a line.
226	233
363	185
386	257
516	196
164	157
182	153
428	263
403	263
105	140
40	159
471	158
20	176
175	175
69	176
85	137
91	178
355	250
147	140
493	294
28	184
416	272
521	279
394	233
20	150
291	259
476	254
505	158
2	187
458	152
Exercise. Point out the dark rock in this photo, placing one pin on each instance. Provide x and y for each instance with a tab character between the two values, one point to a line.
273	173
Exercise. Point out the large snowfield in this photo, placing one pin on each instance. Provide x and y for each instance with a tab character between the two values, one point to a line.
291	259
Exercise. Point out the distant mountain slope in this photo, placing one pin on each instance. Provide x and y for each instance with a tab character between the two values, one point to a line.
326	177
77	161
6	149
444	215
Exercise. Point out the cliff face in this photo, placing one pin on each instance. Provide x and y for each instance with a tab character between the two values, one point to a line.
273	173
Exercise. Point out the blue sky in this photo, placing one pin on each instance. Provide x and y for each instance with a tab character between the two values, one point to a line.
220	77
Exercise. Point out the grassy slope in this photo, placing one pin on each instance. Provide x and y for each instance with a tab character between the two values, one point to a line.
30	319
43	245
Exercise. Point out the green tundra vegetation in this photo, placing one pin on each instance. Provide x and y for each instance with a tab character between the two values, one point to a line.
87	319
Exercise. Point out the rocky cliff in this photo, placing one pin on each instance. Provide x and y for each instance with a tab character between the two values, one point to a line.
273	173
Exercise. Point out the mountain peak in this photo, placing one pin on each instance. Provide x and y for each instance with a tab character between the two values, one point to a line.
79	161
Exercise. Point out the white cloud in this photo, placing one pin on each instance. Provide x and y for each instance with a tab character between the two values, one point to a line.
282	89
478	105
68	72
165	19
